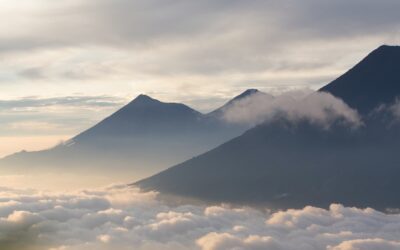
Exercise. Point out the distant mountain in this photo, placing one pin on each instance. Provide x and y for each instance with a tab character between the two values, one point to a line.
248	93
141	138
145	116
286	164
373	81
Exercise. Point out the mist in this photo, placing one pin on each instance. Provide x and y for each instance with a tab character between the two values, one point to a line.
320	108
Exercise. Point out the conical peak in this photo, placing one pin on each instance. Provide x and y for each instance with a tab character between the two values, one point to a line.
372	82
143	100
246	93
384	53
143	97
385	48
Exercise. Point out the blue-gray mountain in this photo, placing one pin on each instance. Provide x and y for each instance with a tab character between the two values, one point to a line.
373	81
286	164
140	139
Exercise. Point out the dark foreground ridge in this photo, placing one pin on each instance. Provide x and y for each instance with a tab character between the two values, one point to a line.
287	165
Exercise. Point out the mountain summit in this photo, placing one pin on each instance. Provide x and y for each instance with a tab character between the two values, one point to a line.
144	99
372	82
246	93
218	113
145	115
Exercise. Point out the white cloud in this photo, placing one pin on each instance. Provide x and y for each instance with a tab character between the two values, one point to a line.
318	107
220	241
119	217
367	244
394	109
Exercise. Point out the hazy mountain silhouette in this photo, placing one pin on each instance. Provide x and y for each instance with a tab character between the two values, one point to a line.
219	113
145	116
286	164
373	81
141	138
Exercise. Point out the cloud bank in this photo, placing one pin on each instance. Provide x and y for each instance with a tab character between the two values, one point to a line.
118	217
318	107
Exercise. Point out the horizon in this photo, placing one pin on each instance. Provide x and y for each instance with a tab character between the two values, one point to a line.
288	46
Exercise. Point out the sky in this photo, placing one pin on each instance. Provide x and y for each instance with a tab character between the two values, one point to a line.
65	65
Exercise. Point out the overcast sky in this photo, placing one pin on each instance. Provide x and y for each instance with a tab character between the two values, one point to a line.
66	64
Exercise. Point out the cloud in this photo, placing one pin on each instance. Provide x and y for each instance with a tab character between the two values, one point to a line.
320	108
121	217
388	113
144	24
367	244
238	43
220	241
29	103
393	109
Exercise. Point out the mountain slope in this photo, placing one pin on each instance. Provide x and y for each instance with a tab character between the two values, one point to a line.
145	115
373	81
286	164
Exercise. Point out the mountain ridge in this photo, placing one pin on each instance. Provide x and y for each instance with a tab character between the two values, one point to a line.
129	139
285	164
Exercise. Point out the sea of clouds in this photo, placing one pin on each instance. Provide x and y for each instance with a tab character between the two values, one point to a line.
122	217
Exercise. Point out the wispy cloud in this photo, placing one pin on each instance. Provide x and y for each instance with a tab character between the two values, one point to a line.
29	103
319	108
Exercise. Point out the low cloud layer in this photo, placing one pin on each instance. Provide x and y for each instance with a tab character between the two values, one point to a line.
320	108
119	217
